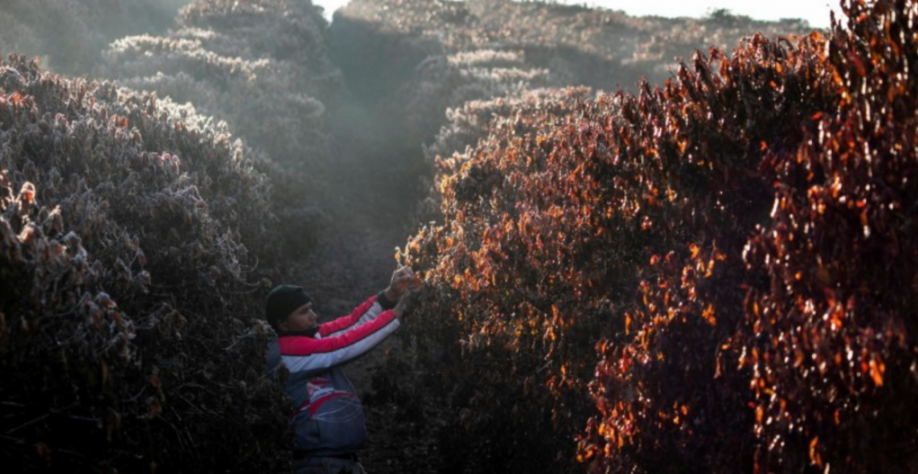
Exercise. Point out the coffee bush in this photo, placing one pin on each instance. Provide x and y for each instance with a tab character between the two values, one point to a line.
126	332
262	68
718	262
70	34
425	52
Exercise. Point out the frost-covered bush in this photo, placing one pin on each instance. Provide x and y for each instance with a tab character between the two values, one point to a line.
444	82
473	120
129	231
586	46
70	34
436	55
260	66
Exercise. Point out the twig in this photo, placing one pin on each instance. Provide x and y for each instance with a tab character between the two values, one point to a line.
192	405
29	423
14	440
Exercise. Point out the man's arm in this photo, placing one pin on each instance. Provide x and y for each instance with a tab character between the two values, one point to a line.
301	354
364	313
385	300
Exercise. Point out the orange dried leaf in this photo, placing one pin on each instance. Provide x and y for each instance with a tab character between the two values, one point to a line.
694	249
708	315
815	458
876	372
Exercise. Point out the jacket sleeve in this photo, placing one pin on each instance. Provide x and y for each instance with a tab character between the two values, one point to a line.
273	357
367	311
301	354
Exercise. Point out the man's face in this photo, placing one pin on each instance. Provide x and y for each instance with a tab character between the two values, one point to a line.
300	319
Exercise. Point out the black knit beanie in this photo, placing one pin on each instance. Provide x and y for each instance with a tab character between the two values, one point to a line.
282	300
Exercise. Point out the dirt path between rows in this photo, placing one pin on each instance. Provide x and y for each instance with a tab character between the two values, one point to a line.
344	271
352	259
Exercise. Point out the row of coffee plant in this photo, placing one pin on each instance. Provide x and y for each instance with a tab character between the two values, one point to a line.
261	67
715	274
130	230
69	35
413	49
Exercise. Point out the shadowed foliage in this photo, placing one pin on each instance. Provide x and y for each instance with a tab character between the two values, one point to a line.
125	330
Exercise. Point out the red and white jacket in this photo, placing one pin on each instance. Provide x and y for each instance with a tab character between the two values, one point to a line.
329	419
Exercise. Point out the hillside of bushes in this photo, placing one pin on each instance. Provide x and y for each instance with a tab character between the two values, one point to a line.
709	275
261	67
409	64
708	270
69	35
438	54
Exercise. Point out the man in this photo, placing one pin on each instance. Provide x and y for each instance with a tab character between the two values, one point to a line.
329	420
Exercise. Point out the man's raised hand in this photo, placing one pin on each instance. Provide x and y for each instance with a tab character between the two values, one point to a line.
398	285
